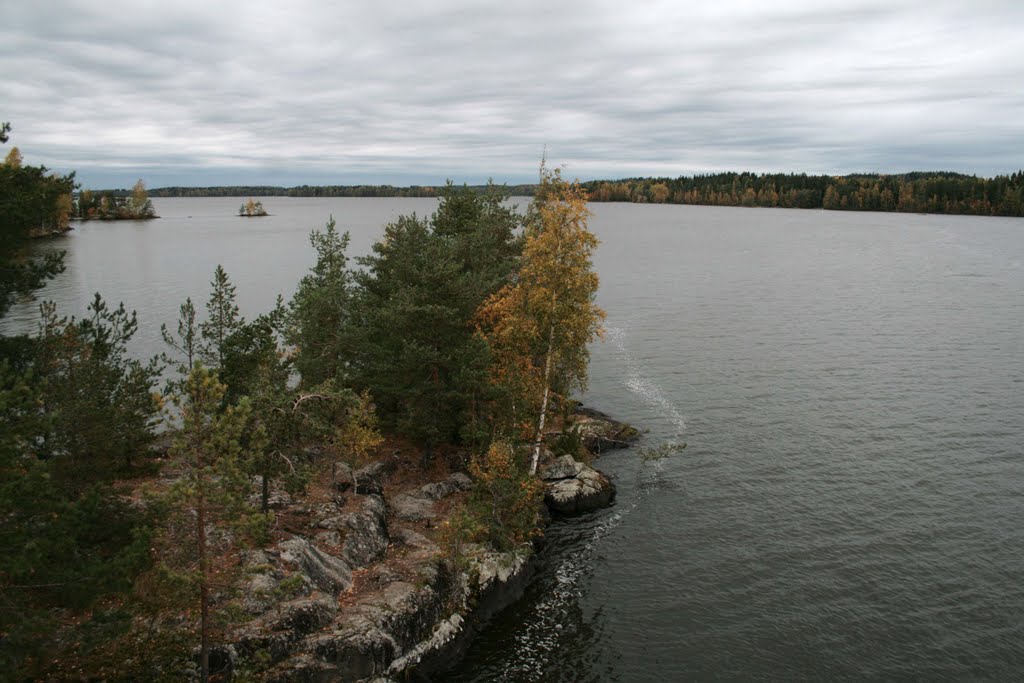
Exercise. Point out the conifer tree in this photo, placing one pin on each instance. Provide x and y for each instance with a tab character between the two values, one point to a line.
319	314
222	320
29	204
185	341
252	351
288	419
417	353
101	404
211	494
505	497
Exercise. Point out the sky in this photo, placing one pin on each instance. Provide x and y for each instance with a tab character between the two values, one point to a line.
220	92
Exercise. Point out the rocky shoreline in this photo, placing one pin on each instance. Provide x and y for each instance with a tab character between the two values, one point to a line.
363	594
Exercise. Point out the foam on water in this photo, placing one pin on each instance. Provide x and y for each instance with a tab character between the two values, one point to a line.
535	647
648	391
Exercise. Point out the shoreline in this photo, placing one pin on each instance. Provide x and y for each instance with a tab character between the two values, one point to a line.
381	600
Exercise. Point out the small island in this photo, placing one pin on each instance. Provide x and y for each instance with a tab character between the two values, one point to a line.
111	205
251	209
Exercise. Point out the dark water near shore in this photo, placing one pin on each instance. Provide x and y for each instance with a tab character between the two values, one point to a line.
851	387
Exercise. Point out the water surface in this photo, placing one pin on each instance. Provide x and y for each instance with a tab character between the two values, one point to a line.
851	389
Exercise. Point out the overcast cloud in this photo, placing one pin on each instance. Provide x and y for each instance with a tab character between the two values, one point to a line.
218	92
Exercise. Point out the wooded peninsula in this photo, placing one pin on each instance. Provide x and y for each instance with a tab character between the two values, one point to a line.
344	487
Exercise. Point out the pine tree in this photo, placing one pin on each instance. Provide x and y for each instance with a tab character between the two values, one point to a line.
29	205
101	404
416	350
222	320
406	317
186	340
319	313
288	419
211	495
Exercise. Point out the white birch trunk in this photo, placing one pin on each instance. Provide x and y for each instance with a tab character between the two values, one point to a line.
544	402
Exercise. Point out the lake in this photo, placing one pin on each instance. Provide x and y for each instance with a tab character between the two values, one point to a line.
851	389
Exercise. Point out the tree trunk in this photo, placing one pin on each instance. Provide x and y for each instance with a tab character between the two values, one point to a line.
428	455
544	401
204	595
266	493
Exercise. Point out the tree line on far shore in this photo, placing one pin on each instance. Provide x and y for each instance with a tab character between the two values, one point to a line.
326	191
917	192
939	192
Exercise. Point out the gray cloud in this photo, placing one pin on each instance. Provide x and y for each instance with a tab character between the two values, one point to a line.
218	93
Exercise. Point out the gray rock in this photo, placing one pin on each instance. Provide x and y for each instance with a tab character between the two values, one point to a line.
418	505
564	467
277	500
411	507
493	568
356	654
439	489
302	616
328	538
342	476
366	535
462	480
258	593
413	539
586	491
601	433
370	479
330	574
386	575
256	558
332	523
406	628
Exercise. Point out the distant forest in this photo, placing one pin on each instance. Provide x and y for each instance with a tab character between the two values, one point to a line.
918	192
326	191
928	192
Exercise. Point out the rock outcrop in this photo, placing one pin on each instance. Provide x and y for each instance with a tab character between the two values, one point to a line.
572	487
370	479
414	614
369	597
418	505
601	433
366	533
326	572
412	626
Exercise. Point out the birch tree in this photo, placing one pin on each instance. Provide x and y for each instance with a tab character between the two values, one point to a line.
538	327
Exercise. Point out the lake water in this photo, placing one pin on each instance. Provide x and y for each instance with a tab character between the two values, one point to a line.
851	389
